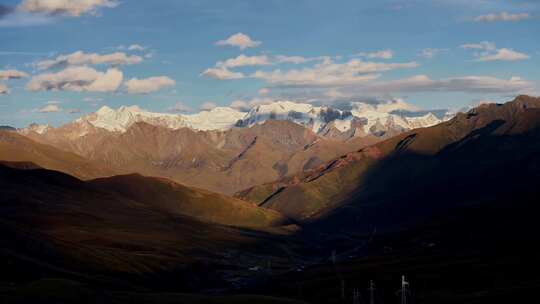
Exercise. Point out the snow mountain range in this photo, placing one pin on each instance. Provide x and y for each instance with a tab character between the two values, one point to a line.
361	119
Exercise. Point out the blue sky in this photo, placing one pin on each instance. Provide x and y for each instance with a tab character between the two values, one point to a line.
75	56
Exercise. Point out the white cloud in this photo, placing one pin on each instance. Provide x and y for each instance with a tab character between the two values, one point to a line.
77	79
395	104
4	89
504	16
245	105
109	82
467	84
292	59
487	51
383	54
429	53
12	74
310	77
239	105
483	102
504	55
207	106
136	47
264	91
329	73
92	99
50	108
81	58
484	45
148	85
72	8
222	74
243	60
53	102
222	69
13	18
239	40
415	84
334	93
179	107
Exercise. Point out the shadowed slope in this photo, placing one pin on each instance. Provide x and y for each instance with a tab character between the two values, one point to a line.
453	208
54	225
409	164
174	198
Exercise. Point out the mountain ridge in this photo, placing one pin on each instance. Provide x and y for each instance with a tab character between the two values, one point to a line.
222	161
316	118
347	178
17	148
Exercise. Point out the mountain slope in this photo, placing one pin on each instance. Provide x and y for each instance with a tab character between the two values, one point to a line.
15	148
483	238
221	161
163	194
112	232
404	178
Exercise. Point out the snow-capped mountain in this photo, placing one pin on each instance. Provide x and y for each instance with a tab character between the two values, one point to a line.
120	120
310	116
321	118
219	118
39	129
362	118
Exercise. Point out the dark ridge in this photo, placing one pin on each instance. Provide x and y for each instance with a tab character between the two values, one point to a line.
280	189
7	128
241	154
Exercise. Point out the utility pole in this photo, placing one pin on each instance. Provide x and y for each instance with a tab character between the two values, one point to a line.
342	290
356	296
404	291
371	290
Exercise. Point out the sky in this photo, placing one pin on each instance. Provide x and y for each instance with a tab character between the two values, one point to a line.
60	59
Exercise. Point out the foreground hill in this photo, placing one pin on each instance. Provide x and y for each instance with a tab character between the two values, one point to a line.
176	199
414	174
17	148
112	232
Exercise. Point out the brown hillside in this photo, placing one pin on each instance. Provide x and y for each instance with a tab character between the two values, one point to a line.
55	225
166	195
220	161
18	148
